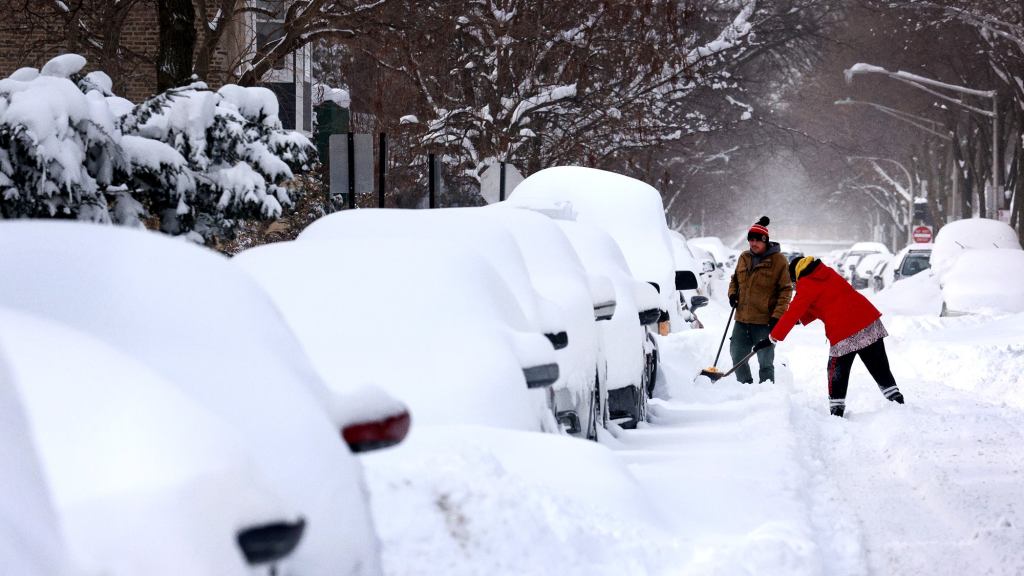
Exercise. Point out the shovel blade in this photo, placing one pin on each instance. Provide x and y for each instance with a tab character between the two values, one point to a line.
711	374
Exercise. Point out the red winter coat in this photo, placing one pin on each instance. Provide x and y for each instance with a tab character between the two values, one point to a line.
824	295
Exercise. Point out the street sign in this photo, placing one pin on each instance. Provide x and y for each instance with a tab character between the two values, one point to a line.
923	234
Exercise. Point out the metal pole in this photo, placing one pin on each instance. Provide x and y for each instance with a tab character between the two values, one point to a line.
382	169
430	178
501	185
997	194
351	170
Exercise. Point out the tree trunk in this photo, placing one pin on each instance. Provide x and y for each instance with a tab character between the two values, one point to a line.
177	43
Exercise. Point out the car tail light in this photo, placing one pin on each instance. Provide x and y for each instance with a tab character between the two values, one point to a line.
270	542
377	434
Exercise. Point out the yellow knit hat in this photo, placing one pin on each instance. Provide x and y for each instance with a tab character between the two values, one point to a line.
801	265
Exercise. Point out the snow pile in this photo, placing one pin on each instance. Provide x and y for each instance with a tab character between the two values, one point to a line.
196	158
917	295
470	501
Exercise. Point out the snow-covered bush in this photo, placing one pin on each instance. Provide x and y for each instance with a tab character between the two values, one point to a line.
236	156
59	147
198	160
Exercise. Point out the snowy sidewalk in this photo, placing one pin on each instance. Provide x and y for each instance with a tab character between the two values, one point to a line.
760	480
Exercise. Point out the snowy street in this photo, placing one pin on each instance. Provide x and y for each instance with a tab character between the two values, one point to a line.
761	480
742	479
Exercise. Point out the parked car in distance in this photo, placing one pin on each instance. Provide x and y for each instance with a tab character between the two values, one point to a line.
430	322
207	328
144	480
910	260
863	273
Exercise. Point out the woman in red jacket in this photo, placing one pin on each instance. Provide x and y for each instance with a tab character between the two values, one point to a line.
852	325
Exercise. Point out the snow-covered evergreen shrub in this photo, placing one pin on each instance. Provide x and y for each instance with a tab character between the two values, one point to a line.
237	156
59	147
198	160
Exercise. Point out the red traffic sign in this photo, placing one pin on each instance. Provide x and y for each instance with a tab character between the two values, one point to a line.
922	234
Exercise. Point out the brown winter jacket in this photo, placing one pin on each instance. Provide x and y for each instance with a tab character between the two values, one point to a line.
764	290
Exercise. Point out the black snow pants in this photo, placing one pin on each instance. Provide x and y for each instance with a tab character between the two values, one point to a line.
877	363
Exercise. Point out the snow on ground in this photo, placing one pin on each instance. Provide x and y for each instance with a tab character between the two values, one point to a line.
734	479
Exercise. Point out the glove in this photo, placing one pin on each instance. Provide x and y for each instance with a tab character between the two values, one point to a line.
762	345
734	299
772	323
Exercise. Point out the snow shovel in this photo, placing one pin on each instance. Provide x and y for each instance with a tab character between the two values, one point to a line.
713	372
715	376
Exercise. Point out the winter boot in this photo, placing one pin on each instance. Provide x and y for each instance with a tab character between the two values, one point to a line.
893	394
837	406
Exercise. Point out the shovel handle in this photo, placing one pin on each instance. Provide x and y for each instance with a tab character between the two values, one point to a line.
722	343
741	361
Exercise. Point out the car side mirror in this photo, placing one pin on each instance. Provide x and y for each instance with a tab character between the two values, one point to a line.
685	280
698	302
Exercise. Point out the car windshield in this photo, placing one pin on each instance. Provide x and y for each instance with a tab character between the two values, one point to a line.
914	263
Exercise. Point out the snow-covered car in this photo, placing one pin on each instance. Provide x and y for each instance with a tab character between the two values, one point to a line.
31	541
969	234
695	261
143	479
584	299
716	247
206	327
540	267
630	211
629	347
979	265
984	281
432	323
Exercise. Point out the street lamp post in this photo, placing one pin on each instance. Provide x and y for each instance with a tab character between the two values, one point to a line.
932	87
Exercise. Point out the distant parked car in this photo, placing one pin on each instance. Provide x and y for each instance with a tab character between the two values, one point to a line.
863	274
910	260
851	260
430	322
144	480
209	329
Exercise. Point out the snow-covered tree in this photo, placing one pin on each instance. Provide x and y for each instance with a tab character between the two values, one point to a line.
237	157
199	160
60	149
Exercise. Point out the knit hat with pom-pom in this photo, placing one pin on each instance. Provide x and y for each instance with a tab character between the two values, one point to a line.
759	231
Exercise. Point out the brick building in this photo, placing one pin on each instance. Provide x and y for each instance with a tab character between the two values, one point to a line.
122	38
